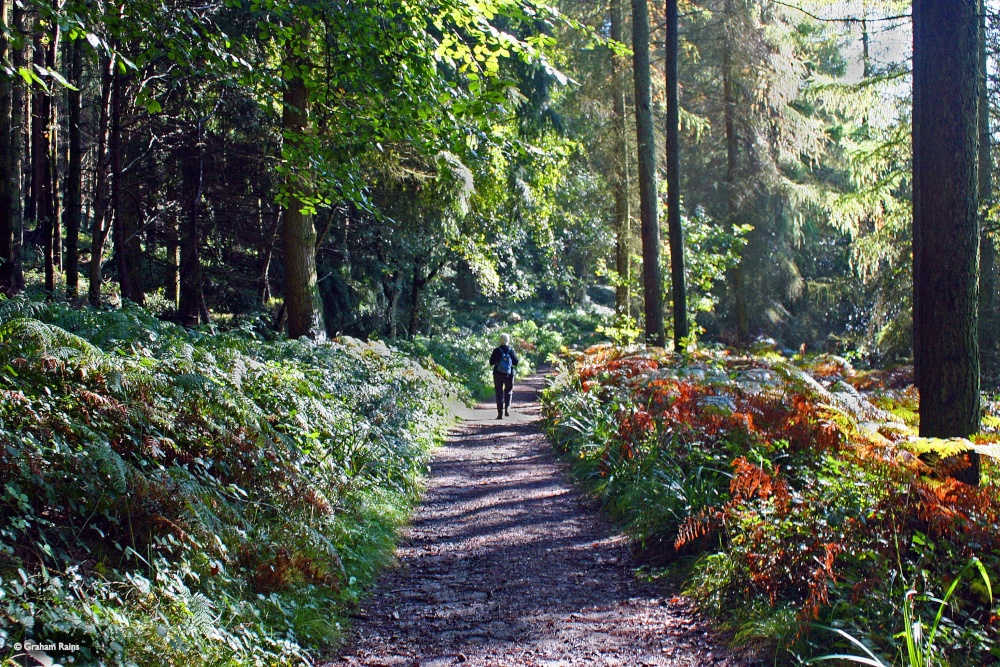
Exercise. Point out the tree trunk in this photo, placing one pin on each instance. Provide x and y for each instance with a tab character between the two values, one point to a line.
53	133
172	289
41	164
466	283
416	285
266	254
393	309
866	60
125	229
191	293
11	273
621	184
674	231
8	180
732	208
72	210
305	307
645	138
102	222
988	321
946	219
28	156
392	294
118	230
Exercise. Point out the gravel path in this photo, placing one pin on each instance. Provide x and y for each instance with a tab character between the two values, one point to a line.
506	564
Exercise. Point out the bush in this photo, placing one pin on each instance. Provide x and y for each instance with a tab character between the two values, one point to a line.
457	357
173	497
462	356
803	493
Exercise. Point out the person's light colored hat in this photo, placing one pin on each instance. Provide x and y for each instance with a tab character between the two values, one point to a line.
504	339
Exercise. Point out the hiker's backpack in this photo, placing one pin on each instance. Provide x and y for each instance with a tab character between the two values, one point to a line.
506	363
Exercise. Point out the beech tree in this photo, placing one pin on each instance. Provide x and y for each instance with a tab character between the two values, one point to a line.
302	299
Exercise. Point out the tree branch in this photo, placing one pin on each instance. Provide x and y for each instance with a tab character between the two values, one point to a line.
846	19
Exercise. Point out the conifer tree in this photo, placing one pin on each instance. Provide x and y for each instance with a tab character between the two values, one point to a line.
946	219
676	234
652	279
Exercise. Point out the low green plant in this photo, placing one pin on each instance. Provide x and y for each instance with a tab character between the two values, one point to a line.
458	357
179	497
779	490
621	329
919	648
462	356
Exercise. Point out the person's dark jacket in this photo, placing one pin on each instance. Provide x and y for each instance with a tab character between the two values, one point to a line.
495	357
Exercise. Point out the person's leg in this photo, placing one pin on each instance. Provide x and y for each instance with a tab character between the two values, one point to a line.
508	388
498	389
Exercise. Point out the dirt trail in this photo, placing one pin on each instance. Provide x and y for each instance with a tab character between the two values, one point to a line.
506	564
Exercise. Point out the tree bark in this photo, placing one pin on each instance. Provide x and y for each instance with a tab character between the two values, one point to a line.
36	195
191	292
946	219
266	254
675	232
72	210
8	180
55	212
172	289
41	163
118	230
732	155
102	222
302	297
623	267
11	271
28	157
646	147
392	294
988	301
866	60
416	289
125	229
416	284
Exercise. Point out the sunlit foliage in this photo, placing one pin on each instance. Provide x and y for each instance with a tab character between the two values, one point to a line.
797	487
177	498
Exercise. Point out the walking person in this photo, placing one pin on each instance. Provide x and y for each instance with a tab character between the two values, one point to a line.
503	360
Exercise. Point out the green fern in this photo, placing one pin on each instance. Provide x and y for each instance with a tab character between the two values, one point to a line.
187	463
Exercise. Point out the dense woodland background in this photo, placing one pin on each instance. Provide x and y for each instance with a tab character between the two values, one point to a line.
251	249
444	166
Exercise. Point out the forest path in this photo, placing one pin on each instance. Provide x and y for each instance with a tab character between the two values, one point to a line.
507	564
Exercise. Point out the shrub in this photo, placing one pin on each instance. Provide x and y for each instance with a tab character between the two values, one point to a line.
807	495
173	497
462	356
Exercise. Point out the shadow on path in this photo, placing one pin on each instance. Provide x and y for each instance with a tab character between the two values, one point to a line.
506	564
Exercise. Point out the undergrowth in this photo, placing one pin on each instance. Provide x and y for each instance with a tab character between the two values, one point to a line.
800	492
462	355
174	497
